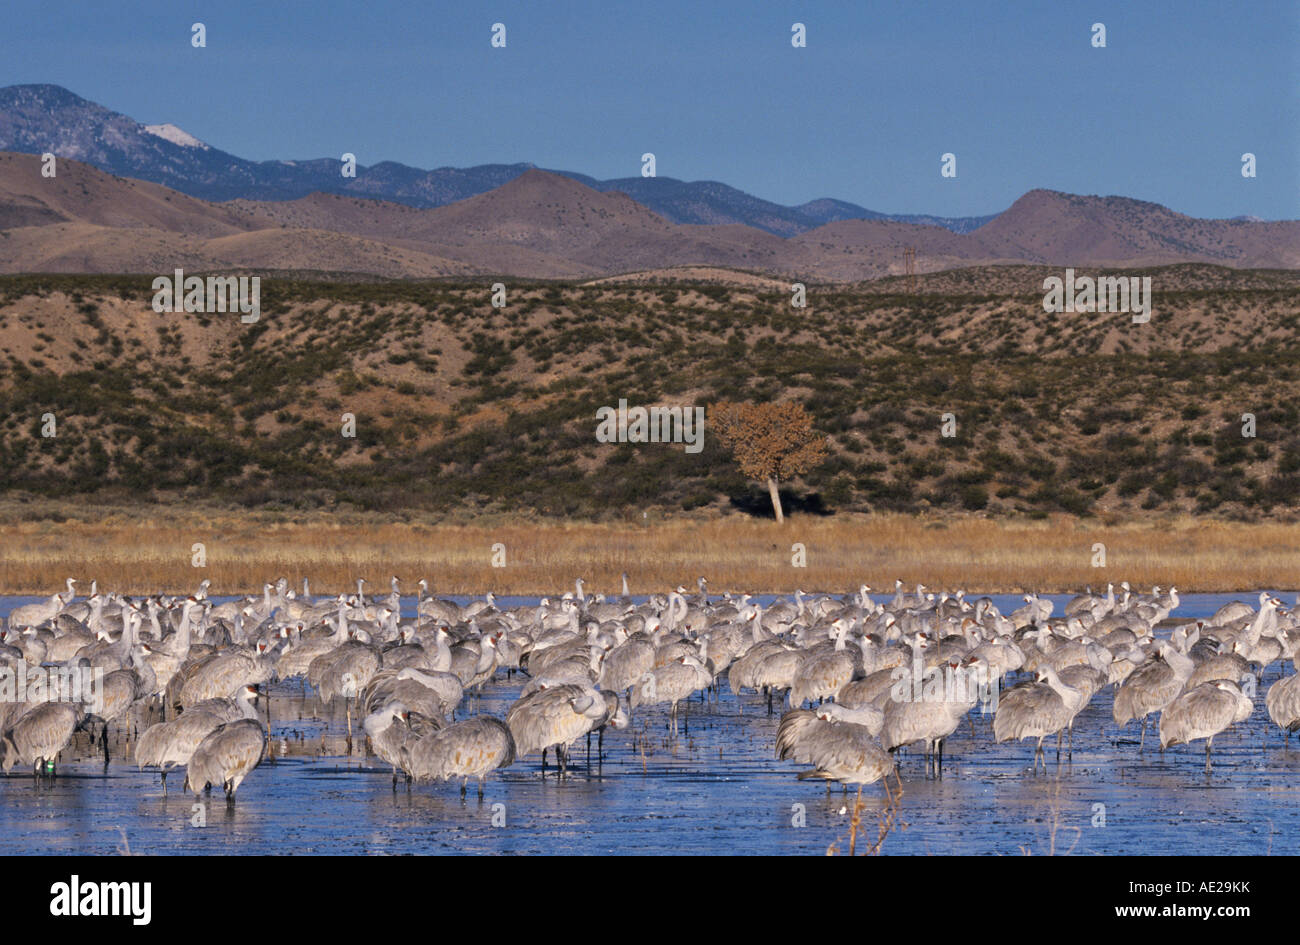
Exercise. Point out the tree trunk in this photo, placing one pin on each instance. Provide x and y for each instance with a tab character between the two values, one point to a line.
776	499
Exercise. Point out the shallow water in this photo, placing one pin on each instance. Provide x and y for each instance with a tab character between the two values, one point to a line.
716	789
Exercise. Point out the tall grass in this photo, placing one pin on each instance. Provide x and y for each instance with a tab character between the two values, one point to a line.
138	550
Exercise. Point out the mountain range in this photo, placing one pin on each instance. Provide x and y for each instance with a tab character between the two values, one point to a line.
35	119
129	197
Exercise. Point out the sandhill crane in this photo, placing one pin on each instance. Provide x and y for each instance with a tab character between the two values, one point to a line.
345	672
1036	710
625	664
1283	704
434	695
474	662
555	717
38	736
470	749
167	744
1203	712
167	657
743	672
1222	665
1230	612
870	718
392	727
304	650
222	673
822	672
1152	686
871	690
33	615
118	691
671	684
794	735
776	672
1253	644
929	720
226	756
839	751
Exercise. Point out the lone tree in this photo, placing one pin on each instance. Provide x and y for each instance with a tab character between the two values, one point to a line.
770	442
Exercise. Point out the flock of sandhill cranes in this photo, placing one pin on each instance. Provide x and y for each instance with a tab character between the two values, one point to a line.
878	674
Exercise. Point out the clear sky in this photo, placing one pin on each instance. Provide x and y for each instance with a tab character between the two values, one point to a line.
1013	88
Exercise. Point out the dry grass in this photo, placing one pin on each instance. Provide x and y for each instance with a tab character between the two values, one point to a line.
886	822
1055	823
149	549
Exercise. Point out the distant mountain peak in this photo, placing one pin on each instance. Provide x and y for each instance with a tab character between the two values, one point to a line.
175	135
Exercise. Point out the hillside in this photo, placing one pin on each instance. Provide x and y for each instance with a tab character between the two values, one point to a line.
463	408
540	225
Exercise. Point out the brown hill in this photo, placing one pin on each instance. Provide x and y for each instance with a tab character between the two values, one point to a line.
851	250
80	193
1069	229
543	225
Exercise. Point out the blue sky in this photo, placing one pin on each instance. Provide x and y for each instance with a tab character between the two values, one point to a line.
1014	89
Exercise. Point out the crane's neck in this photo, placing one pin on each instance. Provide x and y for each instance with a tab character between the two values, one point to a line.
245	703
1181	665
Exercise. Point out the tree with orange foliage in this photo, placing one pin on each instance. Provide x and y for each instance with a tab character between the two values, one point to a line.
770	442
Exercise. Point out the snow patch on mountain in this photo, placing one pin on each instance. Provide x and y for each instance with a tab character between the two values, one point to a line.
175	136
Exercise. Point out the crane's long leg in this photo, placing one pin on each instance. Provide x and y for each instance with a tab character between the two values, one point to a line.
1143	737
348	706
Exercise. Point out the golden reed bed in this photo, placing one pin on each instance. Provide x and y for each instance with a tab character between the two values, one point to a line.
139	551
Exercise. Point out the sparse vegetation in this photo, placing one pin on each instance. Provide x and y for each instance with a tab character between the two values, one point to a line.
464	409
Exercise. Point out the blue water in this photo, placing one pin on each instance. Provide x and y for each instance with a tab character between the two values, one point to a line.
715	789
